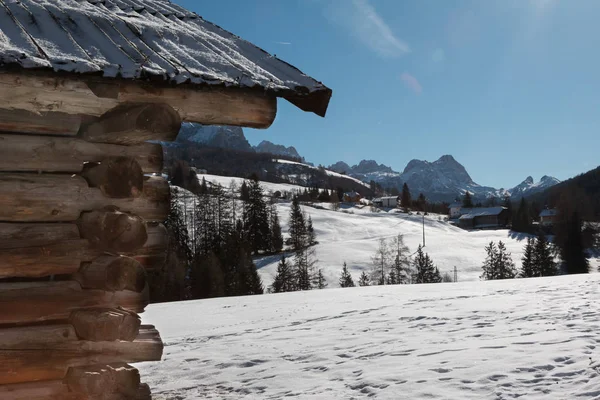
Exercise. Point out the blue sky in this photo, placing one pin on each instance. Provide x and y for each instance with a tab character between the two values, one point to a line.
510	88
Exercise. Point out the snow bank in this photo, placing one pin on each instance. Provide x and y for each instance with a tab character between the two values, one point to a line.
527	338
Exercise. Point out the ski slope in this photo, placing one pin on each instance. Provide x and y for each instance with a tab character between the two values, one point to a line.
522	338
354	238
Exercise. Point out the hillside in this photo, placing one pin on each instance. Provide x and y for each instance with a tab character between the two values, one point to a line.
528	338
354	238
585	188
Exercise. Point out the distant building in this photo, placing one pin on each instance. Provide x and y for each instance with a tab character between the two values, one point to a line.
351	197
387	202
548	217
483	218
455	210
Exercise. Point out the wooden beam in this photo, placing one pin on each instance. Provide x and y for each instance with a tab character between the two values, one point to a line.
65	154
38	250
105	324
55	301
95	96
117	178
42	390
62	198
30	363
44	123
133	124
112	273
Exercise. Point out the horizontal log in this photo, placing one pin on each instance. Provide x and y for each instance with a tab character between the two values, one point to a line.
134	123
44	123
58	390
38	250
112	273
65	154
42	390
34	363
105	324
62	198
55	301
95	96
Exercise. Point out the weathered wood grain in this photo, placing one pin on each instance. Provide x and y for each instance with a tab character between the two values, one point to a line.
30	363
112	273
134	123
44	123
95	96
30	302
62	198
65	154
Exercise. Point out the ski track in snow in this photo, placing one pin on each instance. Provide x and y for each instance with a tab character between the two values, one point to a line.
527	338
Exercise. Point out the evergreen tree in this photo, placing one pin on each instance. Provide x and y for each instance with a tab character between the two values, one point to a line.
521	220
400	272
310	232
244	192
203	187
298	234
276	236
489	265
498	263
321	283
207	277
544	259
528	262
506	267
425	271
304	268
255	285
573	251
346	279
467	200
284	279
324	196
421	202
256	221
405	199
364	279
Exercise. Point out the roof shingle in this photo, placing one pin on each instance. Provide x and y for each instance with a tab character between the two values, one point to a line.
137	39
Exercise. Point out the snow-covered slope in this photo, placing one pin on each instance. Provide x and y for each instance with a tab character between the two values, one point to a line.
527	338
353	238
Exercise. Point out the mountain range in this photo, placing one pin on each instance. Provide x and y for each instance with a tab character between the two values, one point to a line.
442	180
230	137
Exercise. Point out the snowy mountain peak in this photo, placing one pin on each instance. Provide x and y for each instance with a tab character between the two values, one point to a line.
340	167
269	147
370	166
528	180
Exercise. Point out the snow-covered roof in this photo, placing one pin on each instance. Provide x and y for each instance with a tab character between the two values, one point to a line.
471	213
548	213
139	39
386	198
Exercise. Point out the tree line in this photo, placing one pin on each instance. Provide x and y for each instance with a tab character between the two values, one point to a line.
214	233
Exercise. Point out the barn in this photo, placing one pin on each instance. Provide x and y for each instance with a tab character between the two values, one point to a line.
484	218
84	85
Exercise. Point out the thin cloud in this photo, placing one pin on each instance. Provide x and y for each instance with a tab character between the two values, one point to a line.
361	19
411	82
284	43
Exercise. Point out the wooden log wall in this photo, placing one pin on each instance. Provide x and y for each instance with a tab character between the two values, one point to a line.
81	208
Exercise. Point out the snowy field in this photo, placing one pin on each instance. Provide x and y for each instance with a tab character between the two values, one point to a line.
526	338
354	238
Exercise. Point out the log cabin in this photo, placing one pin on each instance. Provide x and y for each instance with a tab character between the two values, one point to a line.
84	85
